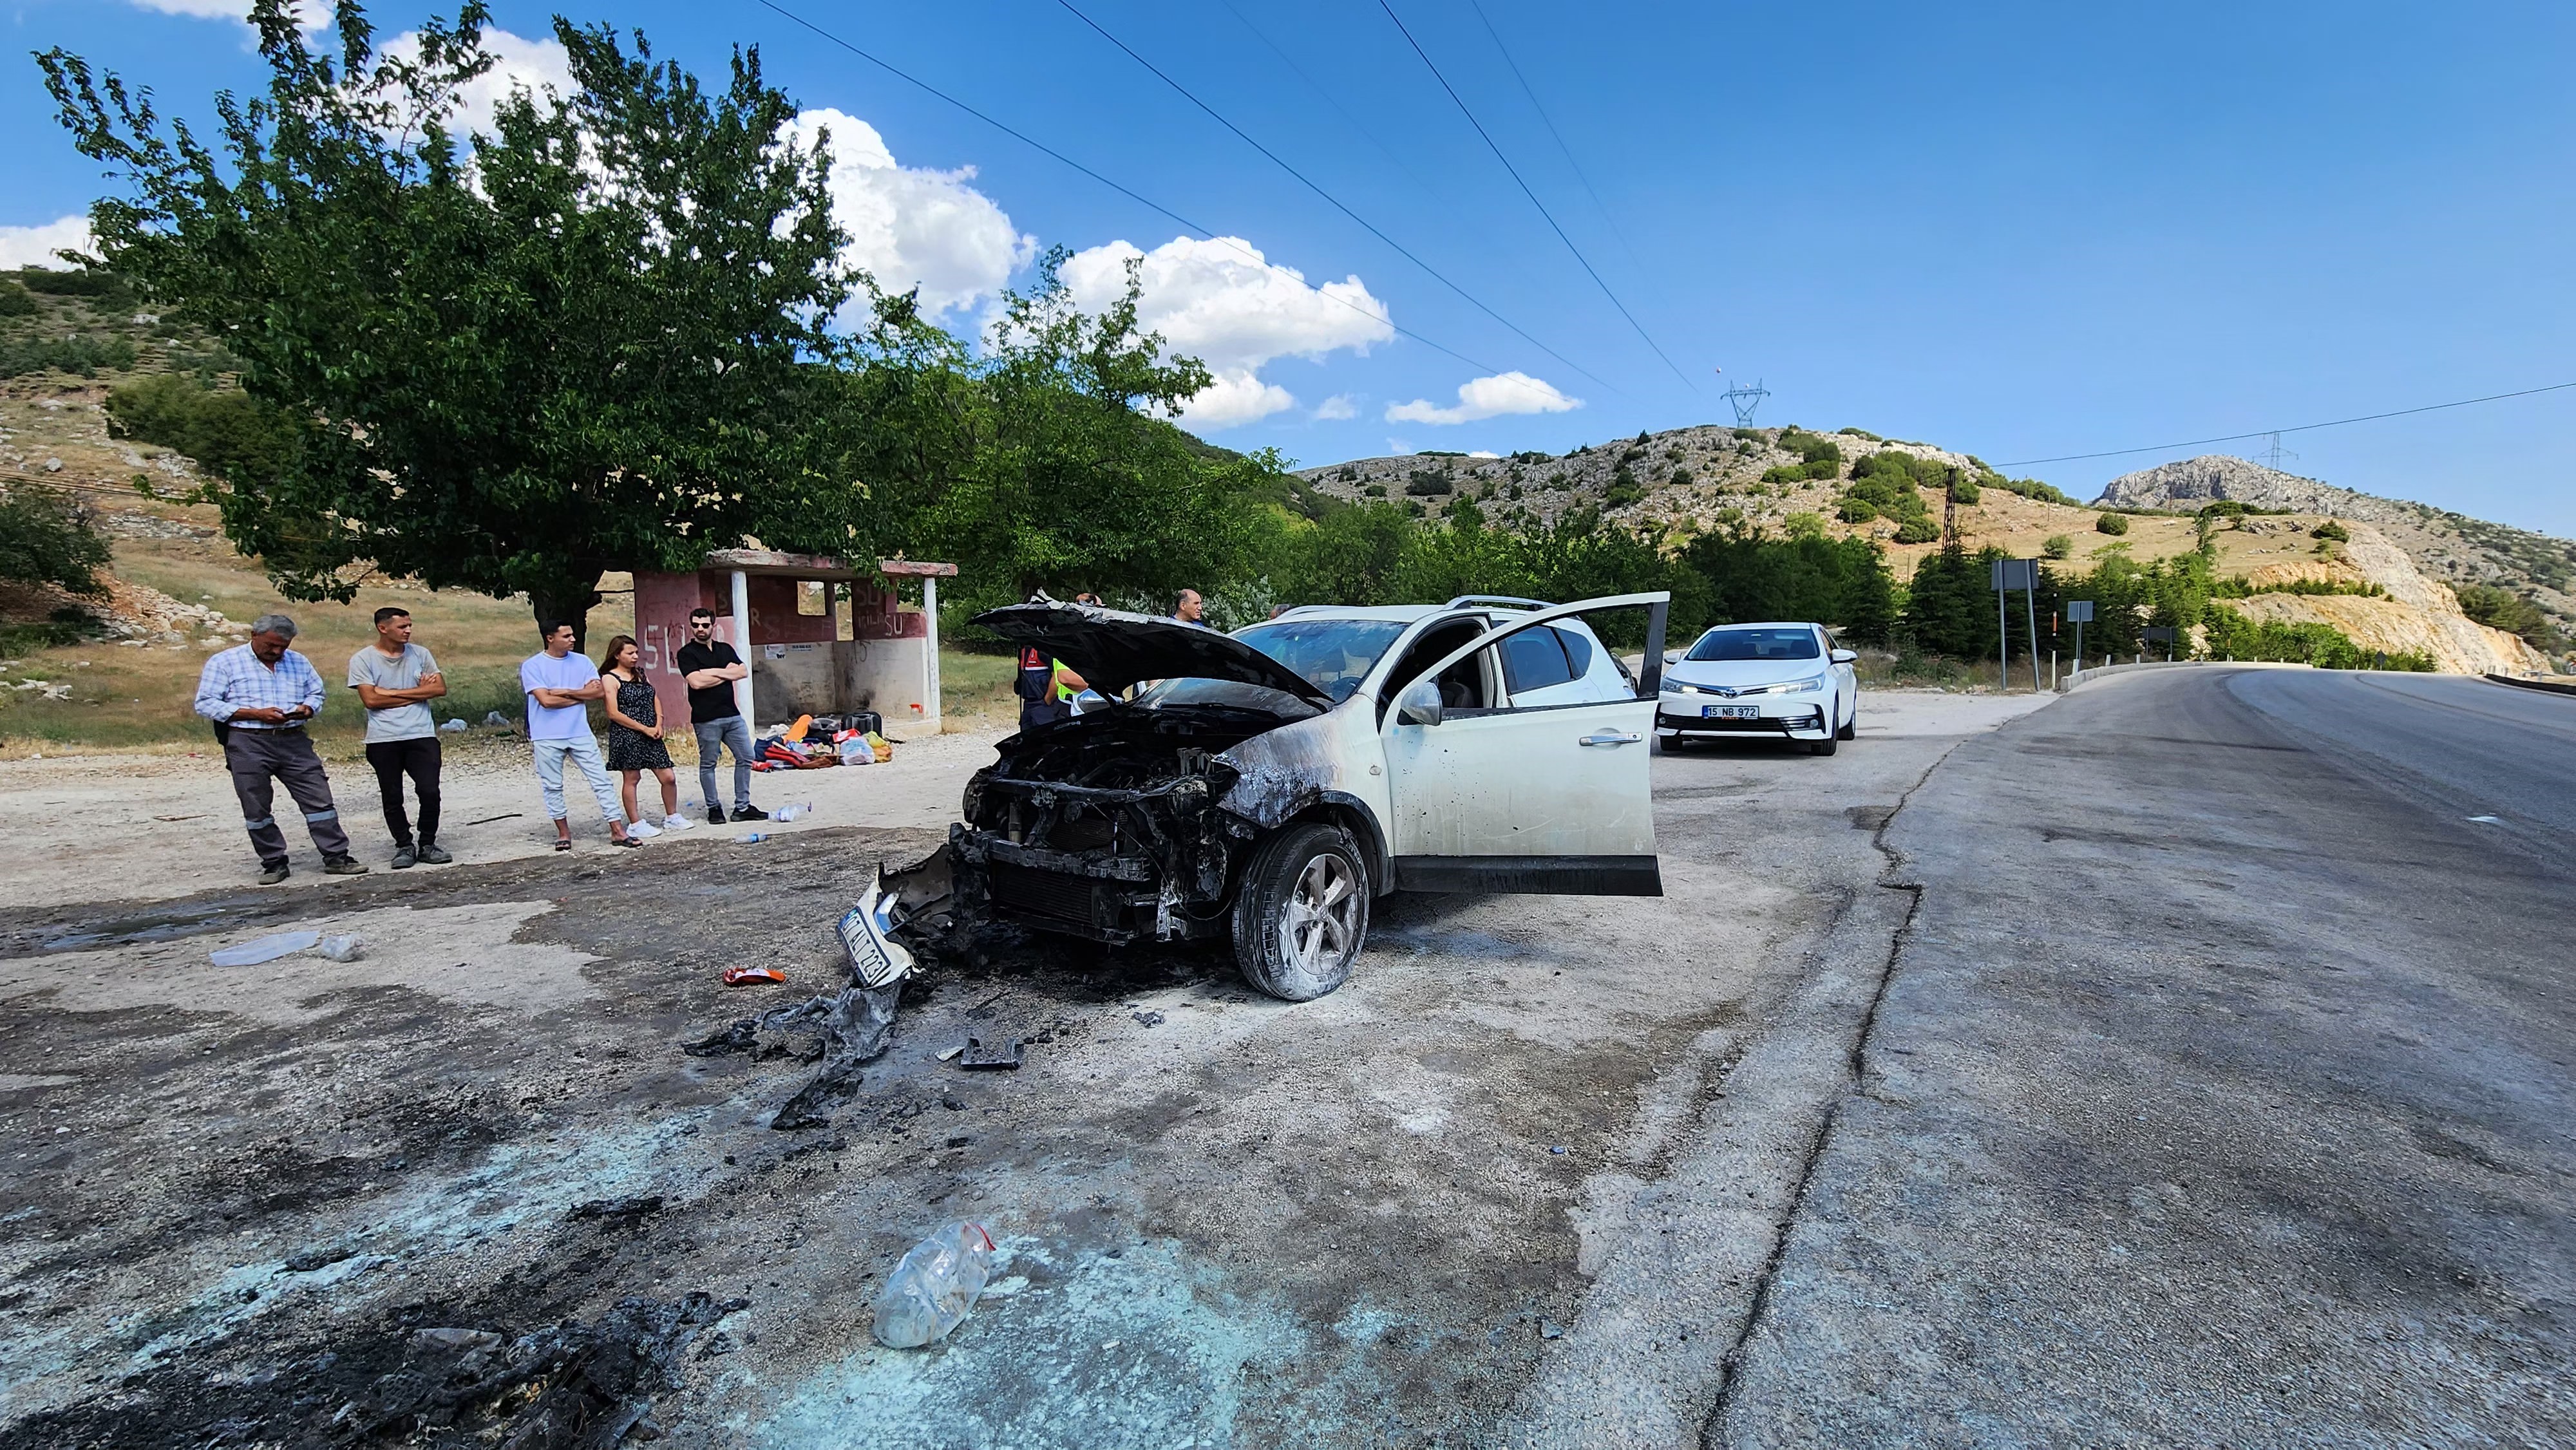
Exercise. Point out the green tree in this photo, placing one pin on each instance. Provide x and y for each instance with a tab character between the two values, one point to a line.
2113	524
1070	485
47	538
511	361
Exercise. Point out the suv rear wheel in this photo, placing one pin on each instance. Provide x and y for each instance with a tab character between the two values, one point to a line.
1301	912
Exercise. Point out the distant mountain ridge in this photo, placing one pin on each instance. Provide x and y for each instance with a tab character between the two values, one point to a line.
2451	547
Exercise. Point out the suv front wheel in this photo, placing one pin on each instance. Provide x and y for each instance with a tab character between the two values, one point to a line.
1301	912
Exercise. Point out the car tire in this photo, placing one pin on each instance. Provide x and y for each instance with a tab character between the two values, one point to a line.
1851	727
1831	742
1301	912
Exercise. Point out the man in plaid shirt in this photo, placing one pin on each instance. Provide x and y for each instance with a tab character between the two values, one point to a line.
259	695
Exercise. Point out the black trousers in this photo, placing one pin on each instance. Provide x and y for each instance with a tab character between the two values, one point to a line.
394	759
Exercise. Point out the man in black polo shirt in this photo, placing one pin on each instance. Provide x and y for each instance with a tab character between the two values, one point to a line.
710	667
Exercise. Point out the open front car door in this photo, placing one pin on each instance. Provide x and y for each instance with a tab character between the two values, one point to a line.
1490	795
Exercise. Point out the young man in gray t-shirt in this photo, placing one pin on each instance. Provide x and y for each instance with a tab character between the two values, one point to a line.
396	679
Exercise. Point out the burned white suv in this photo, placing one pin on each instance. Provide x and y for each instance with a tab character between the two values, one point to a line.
1267	785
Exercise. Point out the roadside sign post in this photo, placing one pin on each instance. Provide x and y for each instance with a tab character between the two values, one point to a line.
2163	634
2022	574
2079	612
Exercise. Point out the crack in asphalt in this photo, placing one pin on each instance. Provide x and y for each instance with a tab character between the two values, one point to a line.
1856	1066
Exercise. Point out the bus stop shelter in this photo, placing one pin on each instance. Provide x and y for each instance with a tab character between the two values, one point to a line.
822	637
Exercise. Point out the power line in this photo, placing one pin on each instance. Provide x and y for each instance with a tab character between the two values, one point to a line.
2302	428
1335	202
1562	149
1326	96
1149	204
1533	196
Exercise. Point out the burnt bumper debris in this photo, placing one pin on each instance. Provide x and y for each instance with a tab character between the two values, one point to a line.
1105	829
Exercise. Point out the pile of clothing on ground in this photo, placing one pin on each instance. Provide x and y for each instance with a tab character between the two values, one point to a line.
815	741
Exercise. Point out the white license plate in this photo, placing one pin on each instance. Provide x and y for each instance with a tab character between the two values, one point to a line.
1730	712
873	960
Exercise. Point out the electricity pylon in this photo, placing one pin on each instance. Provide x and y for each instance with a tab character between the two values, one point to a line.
1744	400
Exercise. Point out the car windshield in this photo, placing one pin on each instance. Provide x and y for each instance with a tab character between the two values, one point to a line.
1333	655
1793	643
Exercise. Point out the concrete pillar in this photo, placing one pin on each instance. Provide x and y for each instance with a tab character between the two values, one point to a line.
930	656
742	646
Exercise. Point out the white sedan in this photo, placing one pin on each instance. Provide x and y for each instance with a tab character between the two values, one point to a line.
1783	679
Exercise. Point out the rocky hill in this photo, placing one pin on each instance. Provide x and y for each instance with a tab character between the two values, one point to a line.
1707	477
2450	547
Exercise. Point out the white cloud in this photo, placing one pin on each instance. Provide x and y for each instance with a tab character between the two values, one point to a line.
35	246
519	64
912	226
1336	408
1483	453
1225	304
1492	397
310	15
1238	395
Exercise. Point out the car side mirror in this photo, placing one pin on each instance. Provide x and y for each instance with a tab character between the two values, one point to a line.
1844	657
1672	657
1419	704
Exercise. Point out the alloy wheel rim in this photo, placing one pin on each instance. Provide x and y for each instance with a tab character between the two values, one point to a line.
1321	928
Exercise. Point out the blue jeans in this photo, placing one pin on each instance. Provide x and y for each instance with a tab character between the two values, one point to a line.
734	734
584	751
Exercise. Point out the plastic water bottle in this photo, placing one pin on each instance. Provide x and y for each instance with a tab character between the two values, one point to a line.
931	1291
754	836
792	810
265	949
344	948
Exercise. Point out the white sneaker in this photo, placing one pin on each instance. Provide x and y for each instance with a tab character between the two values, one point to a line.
678	823
643	830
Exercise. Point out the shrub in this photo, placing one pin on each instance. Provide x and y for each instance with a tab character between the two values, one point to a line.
2113	524
1374	490
1682	477
1622	492
1855	510
83	283
2503	609
2056	546
1427	483
1861	433
15	301
2332	532
82	355
2223	508
1918	531
47	538
1747	435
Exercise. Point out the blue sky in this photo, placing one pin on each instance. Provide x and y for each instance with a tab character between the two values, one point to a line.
2021	231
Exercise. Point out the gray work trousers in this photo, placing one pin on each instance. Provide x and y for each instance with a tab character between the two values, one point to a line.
734	734
258	760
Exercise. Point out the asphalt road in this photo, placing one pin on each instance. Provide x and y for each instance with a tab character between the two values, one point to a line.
2219	1093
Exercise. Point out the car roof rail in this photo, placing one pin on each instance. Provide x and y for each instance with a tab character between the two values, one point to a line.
1496	599
1296	609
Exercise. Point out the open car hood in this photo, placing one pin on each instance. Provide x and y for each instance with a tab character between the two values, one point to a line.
1112	649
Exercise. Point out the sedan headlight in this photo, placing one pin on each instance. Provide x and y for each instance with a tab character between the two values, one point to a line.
1800	687
1676	687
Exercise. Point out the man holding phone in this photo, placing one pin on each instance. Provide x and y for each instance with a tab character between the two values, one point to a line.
260	695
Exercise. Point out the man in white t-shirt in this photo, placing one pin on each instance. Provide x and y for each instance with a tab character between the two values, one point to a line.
560	686
396	679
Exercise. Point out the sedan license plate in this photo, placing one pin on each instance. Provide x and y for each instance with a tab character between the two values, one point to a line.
1730	712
